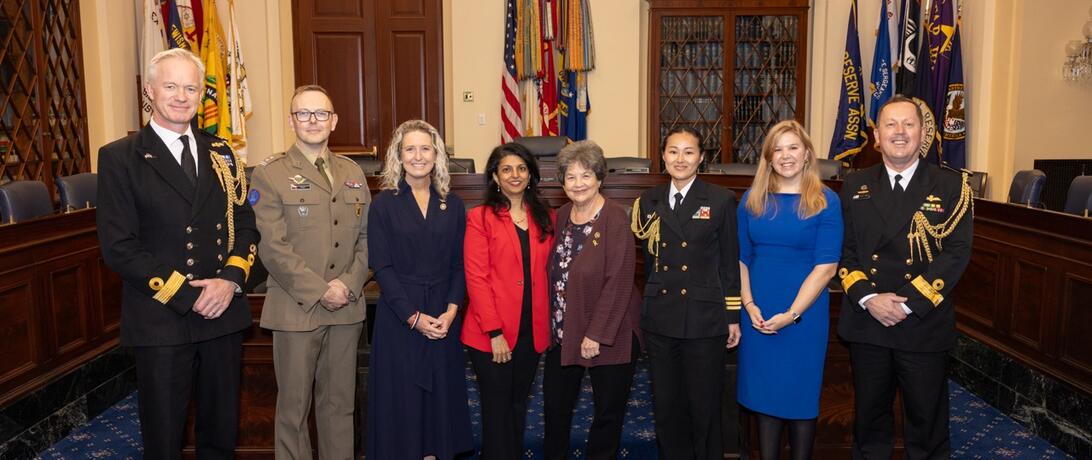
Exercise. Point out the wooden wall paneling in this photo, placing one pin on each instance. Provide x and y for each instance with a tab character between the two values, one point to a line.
979	304
1030	294
18	327
67	295
1075	347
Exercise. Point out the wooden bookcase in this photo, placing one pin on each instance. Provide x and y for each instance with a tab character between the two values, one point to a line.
730	69
43	114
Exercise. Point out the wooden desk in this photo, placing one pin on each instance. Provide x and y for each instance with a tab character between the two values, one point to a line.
1028	289
60	306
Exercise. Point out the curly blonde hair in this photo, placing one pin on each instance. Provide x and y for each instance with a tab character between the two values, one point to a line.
393	172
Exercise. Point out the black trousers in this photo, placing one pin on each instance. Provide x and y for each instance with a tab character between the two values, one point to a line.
922	378
610	393
166	377
687	384
504	389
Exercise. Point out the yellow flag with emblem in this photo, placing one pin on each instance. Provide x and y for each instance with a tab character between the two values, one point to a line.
214	115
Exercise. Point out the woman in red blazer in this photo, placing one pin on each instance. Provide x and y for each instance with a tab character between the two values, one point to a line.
595	307
508	241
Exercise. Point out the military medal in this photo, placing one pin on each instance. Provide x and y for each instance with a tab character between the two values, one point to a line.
299	183
702	213
359	210
353	184
304	211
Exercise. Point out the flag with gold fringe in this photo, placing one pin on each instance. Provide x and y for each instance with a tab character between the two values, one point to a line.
577	48
850	134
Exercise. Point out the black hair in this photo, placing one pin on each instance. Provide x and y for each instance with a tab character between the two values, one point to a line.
495	199
683	129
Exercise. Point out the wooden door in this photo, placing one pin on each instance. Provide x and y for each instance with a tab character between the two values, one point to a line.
381	61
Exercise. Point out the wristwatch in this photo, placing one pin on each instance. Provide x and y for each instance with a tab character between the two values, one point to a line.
795	317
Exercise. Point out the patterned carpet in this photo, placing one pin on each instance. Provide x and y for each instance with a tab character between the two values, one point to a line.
978	430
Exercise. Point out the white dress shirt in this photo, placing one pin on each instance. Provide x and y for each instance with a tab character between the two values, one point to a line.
671	191
173	141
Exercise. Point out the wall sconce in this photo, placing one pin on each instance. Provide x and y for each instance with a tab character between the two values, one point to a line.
1078	62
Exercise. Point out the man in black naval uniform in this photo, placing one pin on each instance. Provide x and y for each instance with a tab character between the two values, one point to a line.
174	223
907	242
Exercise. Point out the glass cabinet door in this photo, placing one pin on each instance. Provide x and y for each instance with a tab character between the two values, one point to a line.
691	87
764	86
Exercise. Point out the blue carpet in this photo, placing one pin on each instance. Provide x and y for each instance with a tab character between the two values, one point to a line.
978	431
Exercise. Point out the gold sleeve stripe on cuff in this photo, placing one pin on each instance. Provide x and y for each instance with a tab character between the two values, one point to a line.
236	261
731	308
170	288
927	291
852	278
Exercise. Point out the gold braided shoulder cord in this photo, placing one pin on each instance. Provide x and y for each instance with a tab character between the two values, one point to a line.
921	229
649	230
235	189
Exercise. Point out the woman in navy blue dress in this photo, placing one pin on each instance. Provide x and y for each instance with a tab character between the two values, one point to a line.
790	239
416	379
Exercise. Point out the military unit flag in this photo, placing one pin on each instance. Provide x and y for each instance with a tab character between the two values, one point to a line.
225	103
153	40
850	133
548	51
883	82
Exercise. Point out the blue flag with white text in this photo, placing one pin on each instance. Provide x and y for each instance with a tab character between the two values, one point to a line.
881	83
850	133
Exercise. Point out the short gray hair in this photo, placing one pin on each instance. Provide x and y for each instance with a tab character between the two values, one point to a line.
585	153
152	68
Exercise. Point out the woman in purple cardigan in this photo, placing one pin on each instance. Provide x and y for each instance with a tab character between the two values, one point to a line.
594	307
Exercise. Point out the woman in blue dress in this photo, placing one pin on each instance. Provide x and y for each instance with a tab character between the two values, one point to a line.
790	240
416	380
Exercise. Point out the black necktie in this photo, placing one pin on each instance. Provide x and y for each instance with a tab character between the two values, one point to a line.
898	185
678	202
188	165
320	163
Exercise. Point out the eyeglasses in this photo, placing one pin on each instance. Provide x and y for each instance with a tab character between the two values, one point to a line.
305	115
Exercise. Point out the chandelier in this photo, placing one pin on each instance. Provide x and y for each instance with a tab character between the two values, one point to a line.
1078	62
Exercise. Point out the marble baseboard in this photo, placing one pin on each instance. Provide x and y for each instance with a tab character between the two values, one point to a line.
1051	409
37	421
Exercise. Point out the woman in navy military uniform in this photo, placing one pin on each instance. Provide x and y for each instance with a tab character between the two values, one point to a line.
416	381
691	299
790	240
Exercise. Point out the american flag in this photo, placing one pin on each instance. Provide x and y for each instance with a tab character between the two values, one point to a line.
511	111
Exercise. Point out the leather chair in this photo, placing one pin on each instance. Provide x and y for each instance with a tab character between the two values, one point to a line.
977	181
78	191
1088	206
371	165
628	165
829	169
1080	191
543	146
24	200
460	165
736	169
1027	187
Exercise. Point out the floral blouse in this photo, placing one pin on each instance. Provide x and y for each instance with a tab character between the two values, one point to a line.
570	242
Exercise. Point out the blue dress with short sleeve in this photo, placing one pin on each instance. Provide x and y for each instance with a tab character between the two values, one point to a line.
781	375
